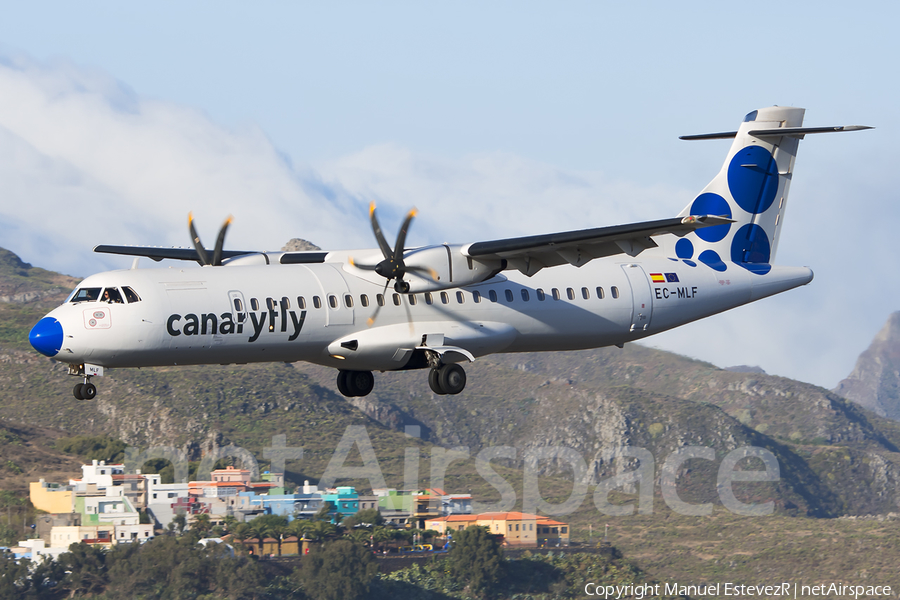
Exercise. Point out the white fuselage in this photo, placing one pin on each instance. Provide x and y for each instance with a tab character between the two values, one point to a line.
251	311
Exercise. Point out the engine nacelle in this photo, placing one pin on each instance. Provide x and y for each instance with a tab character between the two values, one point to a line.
453	268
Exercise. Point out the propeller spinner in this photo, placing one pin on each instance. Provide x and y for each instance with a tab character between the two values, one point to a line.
204	259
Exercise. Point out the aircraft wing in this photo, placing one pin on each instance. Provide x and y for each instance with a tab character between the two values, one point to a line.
159	253
532	253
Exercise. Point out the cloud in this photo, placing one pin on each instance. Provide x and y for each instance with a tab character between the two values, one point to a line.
84	160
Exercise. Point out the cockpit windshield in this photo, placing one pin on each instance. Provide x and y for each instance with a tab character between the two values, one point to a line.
109	295
86	295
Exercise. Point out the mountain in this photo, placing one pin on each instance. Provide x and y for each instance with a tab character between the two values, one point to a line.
875	380
835	457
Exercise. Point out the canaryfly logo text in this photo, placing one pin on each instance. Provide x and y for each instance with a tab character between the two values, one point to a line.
285	321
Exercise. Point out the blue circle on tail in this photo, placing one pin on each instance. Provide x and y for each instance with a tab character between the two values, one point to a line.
753	179
712	260
711	204
684	248
751	246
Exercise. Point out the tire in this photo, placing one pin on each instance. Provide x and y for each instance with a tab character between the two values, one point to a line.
434	381
342	384
452	379
76	391
360	383
89	391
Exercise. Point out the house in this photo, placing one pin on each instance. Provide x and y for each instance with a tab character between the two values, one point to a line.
517	529
344	499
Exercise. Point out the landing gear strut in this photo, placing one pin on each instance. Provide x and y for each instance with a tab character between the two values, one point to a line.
447	379
355	383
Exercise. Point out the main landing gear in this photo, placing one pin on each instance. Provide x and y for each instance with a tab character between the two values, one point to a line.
355	383
447	379
444	379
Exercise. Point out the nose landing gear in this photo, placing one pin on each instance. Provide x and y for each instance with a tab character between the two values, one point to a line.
85	390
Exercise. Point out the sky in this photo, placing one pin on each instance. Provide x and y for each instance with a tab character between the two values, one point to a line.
494	119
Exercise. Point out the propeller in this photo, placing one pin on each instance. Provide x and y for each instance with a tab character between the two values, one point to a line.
198	245
393	267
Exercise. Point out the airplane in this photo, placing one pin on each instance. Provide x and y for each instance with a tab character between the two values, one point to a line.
449	303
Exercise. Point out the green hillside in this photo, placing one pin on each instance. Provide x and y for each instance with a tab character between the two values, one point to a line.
835	458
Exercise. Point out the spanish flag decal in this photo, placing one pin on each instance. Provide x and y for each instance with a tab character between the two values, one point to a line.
657	278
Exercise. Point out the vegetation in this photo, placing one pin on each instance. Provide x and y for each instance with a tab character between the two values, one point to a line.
93	447
340	570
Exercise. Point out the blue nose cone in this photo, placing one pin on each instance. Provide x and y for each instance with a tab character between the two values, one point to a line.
47	336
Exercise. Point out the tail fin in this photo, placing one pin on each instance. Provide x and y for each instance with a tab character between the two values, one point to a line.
751	188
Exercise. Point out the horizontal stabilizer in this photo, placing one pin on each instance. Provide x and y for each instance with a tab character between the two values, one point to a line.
776	132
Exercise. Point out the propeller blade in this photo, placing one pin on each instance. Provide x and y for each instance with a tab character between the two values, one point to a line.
353	263
427	270
220	242
379	236
400	246
198	245
371	320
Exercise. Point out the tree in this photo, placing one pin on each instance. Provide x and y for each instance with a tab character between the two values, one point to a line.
86	569
340	570
179	521
476	557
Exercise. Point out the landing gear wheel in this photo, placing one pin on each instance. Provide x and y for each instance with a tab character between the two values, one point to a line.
355	383
342	383
77	391
452	379
434	381
88	391
401	287
360	383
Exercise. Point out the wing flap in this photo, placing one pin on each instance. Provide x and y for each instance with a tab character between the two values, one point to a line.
160	253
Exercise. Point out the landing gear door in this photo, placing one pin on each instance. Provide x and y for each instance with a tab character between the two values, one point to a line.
641	297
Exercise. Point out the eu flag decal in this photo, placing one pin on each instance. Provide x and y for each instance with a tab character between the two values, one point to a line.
672	277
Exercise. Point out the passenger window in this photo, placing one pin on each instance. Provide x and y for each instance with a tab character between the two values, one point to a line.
460	298
130	295
509	295
380	299
614	291
493	295
112	296
476	296
301	302
555	294
540	294
396	299
317	302
254	304
332	301
412	299
600	293
585	293
270	304
364	300
238	305
570	293
348	300
444	298
524	294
